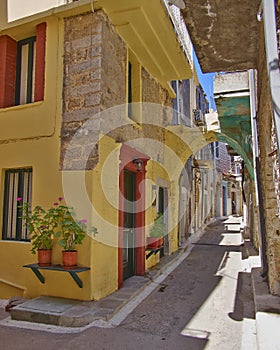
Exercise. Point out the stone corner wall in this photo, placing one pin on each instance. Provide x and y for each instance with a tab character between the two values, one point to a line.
113	67
268	180
94	80
81	90
153	92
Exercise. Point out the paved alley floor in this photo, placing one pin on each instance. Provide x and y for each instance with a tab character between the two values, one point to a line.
208	299
206	302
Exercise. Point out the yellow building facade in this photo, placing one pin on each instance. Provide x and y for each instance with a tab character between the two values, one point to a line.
86	119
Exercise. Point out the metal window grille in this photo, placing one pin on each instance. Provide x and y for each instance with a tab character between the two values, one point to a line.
18	183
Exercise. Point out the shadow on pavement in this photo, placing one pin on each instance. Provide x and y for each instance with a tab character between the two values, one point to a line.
171	308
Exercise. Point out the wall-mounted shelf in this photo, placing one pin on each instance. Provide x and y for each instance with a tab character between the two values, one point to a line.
154	251
71	270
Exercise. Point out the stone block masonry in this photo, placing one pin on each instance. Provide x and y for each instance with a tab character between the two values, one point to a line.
95	66
94	80
269	180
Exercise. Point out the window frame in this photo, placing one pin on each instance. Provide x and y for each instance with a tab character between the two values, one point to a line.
29	98
129	90
13	227
134	88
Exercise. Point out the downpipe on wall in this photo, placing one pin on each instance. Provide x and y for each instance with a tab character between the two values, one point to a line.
262	221
269	16
257	173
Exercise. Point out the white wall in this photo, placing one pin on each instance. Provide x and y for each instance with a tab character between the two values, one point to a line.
23	8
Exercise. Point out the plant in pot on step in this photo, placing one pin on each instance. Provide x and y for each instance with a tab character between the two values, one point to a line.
72	232
41	225
157	232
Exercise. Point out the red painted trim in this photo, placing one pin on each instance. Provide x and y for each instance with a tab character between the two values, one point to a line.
121	218
140	225
8	55
127	155
40	62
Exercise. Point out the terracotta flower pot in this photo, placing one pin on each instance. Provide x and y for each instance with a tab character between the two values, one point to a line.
153	242
44	257
69	258
160	242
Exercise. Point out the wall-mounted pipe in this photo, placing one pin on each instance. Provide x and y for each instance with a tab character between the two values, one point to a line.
257	173
272	58
269	17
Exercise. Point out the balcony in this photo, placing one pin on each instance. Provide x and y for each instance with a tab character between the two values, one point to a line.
146	28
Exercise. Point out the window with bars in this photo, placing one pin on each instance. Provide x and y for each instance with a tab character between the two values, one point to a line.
18	183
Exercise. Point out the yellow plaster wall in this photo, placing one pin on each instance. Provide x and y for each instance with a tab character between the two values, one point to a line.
30	138
105	198
47	186
36	119
152	260
100	253
158	172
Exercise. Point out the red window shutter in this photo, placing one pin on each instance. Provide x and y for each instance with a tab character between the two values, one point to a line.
8	55
40	62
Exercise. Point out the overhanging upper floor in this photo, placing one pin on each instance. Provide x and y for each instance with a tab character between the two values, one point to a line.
147	29
145	26
232	96
224	33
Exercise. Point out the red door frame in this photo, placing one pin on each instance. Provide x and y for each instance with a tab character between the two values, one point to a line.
127	155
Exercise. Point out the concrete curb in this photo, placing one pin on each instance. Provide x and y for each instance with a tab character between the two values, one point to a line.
108	312
80	314
267	311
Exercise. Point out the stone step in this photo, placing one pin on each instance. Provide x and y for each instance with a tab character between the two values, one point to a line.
74	313
59	312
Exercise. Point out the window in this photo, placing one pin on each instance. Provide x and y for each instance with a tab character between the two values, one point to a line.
177	102
18	183
25	71
129	90
134	88
22	68
217	148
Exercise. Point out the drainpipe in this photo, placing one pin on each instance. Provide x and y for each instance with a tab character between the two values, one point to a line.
258	191
262	222
272	62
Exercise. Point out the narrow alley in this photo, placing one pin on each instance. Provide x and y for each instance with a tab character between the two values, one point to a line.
205	303
141	139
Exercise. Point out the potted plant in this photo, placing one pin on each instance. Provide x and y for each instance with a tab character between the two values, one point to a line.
72	232
157	232
58	221
41	225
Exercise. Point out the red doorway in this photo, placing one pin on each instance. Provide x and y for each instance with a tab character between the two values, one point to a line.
131	260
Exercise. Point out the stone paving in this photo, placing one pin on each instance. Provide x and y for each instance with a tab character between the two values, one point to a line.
73	313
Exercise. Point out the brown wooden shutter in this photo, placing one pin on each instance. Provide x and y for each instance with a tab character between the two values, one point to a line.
8	55
40	62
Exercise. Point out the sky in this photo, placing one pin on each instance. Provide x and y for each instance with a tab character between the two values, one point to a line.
206	81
